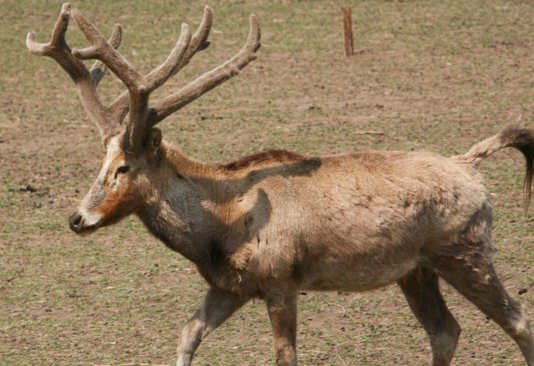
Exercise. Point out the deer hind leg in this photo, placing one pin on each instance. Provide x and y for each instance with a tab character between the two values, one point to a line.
282	309
215	309
421	289
473	275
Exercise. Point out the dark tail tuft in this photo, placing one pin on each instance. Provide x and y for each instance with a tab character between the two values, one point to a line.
512	136
523	140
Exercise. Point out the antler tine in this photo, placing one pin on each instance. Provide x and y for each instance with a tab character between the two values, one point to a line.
57	47
199	42
58	35
209	80
167	69
101	50
58	50
98	71
135	131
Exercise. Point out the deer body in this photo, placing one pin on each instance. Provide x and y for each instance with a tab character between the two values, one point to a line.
277	222
337	223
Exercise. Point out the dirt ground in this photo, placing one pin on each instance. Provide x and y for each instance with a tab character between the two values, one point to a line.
435	75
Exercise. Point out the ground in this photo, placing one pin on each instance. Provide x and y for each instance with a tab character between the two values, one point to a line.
435	75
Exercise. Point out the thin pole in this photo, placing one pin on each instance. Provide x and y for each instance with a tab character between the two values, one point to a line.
347	32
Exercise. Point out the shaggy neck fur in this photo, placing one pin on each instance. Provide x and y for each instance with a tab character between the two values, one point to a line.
179	210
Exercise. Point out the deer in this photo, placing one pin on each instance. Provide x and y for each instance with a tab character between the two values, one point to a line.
274	223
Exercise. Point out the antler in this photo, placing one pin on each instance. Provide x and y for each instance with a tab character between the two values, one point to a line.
209	80
135	100
105	117
198	42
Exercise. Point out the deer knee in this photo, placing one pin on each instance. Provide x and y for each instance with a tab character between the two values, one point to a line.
192	334
519	321
444	344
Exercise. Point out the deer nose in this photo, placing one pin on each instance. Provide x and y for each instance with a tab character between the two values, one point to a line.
74	222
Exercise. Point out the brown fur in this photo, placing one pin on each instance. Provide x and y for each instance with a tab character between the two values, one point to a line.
116	207
269	157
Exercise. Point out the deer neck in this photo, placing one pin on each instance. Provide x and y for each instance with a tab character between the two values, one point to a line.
178	207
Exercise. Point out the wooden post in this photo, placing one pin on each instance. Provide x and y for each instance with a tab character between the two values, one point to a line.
347	32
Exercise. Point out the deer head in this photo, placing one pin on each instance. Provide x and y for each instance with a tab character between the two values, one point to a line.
130	148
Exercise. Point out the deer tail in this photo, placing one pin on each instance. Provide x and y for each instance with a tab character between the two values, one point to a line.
512	136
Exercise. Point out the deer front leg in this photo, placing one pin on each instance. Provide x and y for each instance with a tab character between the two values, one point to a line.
215	309
282	308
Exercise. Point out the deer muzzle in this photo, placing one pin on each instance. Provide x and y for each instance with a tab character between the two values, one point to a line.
81	224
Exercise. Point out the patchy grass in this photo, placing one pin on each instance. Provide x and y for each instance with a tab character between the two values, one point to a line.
437	75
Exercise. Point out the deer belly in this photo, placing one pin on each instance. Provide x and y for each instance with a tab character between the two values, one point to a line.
354	276
373	259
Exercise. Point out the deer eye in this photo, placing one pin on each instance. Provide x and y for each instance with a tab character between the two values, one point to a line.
123	169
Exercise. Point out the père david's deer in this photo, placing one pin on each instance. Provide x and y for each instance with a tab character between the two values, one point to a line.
277	222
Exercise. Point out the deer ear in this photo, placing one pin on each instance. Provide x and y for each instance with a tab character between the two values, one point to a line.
153	140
